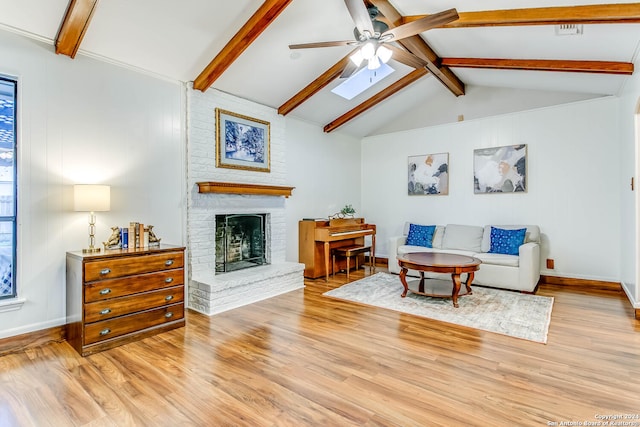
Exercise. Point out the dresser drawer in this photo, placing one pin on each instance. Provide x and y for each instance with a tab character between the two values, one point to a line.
114	307
106	329
126	266
114	288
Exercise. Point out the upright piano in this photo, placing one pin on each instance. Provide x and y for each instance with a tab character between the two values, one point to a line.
318	237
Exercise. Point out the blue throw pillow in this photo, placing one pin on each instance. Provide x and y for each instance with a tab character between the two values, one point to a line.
506	241
421	235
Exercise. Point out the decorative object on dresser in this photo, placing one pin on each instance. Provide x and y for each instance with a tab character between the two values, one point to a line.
242	142
119	238
154	241
115	240
91	198
317	238
123	295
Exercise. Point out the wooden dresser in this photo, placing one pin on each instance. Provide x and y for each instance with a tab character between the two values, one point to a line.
118	296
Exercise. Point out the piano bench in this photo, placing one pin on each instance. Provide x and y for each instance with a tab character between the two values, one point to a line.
348	252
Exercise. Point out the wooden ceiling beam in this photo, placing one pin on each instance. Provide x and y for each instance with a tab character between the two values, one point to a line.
74	26
260	20
314	87
377	98
592	14
598	67
415	45
420	48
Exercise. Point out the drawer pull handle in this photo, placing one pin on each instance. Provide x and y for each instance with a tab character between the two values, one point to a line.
105	331
105	291
105	311
168	280
168	262
168	315
105	271
168	298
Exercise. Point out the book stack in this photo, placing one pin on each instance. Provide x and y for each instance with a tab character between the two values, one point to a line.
135	236
138	238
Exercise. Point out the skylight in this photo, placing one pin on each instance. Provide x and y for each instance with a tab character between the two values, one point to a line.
361	81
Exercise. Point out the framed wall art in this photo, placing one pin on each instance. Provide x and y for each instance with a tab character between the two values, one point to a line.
500	169
428	174
242	142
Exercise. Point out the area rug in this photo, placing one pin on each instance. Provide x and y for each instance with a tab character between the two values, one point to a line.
509	313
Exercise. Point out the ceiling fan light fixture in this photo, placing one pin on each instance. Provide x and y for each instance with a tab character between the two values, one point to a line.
384	54
368	50
357	57
374	63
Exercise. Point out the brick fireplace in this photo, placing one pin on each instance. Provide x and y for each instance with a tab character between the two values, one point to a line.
213	292
244	192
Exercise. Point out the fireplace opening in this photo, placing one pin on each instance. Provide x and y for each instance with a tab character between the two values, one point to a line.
240	241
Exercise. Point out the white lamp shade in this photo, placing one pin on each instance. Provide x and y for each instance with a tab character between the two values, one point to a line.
384	54
374	63
368	50
91	198
357	57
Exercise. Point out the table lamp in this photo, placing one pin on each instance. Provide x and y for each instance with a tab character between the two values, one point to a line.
91	198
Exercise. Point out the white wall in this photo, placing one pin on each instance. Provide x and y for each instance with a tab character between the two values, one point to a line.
629	114
85	121
573	182
478	102
325	171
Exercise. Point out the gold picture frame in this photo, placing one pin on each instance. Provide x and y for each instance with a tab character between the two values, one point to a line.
242	142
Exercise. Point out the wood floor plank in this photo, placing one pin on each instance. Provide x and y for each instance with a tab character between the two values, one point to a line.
302	359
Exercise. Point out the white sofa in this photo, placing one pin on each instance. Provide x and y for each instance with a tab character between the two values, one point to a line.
515	272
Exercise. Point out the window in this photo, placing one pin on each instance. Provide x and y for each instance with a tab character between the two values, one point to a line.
8	91
361	81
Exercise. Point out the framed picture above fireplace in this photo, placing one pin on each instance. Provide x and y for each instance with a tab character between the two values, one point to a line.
242	142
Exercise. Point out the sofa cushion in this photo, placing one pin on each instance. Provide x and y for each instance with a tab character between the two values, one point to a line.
421	235
438	236
498	259
532	234
506	241
465	237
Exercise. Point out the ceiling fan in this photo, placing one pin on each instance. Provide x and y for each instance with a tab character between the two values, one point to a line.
373	37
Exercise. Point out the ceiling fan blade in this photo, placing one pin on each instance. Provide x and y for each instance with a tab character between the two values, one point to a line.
407	58
360	16
349	69
422	25
321	44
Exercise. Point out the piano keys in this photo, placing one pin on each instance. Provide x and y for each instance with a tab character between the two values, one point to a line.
318	237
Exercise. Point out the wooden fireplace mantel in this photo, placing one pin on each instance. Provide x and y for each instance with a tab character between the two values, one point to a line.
236	188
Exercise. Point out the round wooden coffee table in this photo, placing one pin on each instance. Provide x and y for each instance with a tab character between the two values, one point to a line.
438	263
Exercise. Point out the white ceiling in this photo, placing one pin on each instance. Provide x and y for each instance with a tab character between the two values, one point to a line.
178	39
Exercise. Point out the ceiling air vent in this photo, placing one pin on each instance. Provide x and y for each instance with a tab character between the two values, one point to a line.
568	30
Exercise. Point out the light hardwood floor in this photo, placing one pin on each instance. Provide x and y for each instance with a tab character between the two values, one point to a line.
301	359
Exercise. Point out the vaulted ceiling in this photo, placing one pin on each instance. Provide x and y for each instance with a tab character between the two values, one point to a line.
242	47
